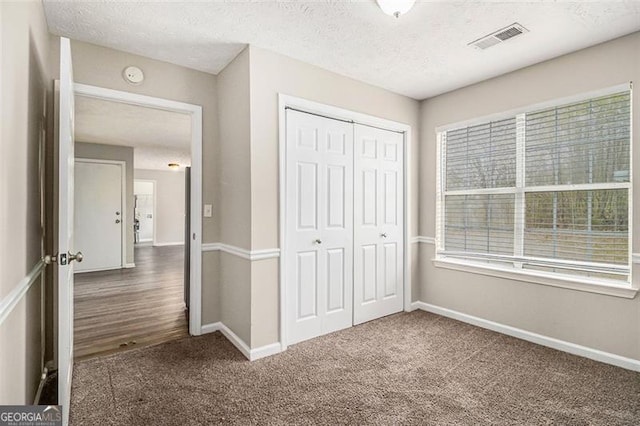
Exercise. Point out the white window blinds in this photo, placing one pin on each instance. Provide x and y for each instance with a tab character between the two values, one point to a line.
479	160
547	189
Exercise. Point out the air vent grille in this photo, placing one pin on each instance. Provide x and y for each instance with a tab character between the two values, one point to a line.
499	36
508	33
487	42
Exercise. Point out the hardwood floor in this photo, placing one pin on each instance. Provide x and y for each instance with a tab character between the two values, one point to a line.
129	308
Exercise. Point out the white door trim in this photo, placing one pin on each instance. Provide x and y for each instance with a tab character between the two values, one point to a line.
195	111
123	202
329	111
155	200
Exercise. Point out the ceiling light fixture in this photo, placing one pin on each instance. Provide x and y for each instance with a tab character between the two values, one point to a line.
396	7
174	166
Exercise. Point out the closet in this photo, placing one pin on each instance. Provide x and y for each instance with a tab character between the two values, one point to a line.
344	234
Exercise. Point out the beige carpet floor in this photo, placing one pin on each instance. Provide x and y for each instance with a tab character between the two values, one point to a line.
415	368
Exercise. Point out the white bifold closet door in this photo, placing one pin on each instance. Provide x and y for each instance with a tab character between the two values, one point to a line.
378	226
319	228
344	224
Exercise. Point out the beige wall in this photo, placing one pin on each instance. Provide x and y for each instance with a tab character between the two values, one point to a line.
234	174
272	73
235	295
248	104
211	292
169	198
607	323
100	66
234	159
265	302
97	151
25	80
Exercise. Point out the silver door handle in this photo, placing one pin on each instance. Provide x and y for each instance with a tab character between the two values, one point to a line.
77	257
117	220
318	241
383	235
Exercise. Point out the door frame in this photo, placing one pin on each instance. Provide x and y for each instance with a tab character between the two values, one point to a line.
123	203
195	111
287	101
155	198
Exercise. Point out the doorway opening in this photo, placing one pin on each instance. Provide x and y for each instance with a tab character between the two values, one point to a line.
144	212
133	222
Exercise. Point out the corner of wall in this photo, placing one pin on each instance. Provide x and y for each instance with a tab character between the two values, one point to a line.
265	302
597	321
28	67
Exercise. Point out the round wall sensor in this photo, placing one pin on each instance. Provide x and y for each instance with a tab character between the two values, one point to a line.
133	75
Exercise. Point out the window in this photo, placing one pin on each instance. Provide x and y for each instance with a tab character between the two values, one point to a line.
545	190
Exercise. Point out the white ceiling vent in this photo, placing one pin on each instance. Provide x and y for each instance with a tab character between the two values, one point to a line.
499	36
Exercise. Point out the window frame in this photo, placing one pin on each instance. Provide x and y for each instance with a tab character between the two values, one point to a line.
623	288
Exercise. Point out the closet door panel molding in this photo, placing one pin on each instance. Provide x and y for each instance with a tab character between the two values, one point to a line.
378	226
319	254
342	219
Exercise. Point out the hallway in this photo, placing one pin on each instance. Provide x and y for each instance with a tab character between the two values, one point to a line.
129	308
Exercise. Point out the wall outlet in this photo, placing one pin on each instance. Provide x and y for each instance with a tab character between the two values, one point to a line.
208	208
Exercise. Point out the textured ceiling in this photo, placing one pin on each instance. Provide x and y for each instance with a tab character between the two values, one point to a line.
158	137
421	54
159	158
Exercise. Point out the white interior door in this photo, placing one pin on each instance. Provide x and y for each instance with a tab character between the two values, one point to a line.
319	228
98	215
145	217
378	236
144	211
65	247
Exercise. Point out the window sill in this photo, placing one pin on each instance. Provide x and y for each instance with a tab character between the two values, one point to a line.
553	280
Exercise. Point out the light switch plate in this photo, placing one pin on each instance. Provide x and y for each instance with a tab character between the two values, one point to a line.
208	208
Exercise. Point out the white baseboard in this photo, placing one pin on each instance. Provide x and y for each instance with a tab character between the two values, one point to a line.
129	265
265	351
561	345
230	335
213	327
250	354
175	243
